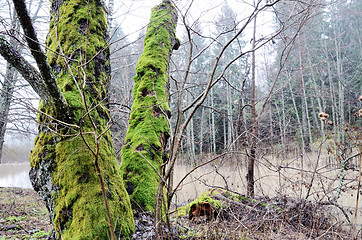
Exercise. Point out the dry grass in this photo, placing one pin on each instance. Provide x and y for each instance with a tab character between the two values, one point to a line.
284	218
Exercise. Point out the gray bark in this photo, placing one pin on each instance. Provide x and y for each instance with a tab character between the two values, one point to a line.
300	128
212	126
339	68
230	129
254	123
202	123
5	101
307	134
283	131
331	94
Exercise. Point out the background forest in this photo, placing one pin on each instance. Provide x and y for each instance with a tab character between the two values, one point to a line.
278	115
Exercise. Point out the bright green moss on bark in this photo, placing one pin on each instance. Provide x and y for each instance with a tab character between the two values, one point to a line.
146	139
63	169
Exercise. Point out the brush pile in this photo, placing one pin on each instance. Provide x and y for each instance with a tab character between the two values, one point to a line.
220	214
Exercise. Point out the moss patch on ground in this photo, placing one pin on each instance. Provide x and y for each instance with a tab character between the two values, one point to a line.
205	197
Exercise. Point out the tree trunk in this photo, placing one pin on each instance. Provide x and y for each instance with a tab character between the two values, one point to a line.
190	140
318	95
230	127
5	101
333	114
143	155
305	114
339	68
298	122
73	164
281	126
285	147
225	130
212	126
201	132
7	88
254	134
271	130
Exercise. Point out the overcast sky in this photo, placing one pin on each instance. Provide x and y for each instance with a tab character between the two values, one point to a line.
133	15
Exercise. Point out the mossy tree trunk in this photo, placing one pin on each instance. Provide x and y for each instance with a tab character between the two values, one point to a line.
144	152
73	164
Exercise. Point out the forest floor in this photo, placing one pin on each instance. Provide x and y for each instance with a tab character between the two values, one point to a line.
23	215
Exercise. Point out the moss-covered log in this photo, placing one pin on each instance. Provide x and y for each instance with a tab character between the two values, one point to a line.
144	150
63	167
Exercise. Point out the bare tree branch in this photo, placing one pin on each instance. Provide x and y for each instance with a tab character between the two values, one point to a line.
51	87
23	67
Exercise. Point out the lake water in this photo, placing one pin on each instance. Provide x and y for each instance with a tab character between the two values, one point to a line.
15	175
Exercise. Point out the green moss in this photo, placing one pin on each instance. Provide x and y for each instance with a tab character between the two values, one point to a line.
45	149
80	197
148	125
72	25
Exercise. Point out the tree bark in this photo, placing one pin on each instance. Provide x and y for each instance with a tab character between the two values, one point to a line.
212	126
202	123
254	126
190	146
284	127
334	108
5	101
230	122
339	67
300	127
307	134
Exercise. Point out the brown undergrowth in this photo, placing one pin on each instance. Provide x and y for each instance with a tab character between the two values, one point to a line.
217	214
23	215
260	218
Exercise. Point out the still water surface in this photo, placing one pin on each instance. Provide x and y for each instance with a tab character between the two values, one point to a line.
15	175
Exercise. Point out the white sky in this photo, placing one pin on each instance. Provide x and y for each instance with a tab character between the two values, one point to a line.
133	15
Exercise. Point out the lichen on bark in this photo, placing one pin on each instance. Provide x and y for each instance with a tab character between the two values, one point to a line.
62	166
145	143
